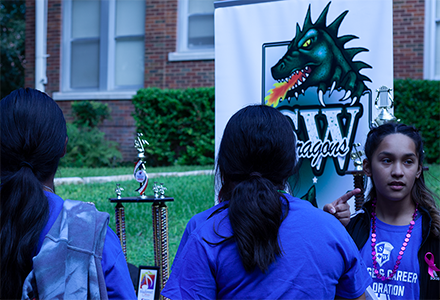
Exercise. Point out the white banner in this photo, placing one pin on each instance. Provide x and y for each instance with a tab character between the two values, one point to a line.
318	62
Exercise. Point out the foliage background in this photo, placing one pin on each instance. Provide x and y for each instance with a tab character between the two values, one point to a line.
12	59
87	146
179	124
418	104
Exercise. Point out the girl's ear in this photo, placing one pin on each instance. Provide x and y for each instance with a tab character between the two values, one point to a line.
419	171
65	146
367	167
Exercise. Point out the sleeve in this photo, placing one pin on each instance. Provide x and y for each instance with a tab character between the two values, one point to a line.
356	278
114	266
188	229
192	277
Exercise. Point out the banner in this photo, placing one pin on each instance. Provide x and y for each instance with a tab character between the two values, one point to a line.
318	62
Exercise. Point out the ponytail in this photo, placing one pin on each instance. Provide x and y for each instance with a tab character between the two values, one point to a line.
24	213
256	213
256	157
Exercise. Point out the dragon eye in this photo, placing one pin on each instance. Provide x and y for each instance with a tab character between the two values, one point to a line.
306	43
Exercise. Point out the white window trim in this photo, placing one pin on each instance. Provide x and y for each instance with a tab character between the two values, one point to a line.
193	55
108	95
429	41
183	53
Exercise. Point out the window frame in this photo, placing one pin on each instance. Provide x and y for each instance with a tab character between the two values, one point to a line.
183	52
107	57
430	50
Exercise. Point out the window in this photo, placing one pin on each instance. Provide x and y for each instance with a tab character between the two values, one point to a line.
195	29
432	40
103	45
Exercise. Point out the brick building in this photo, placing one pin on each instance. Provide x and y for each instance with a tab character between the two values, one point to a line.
166	44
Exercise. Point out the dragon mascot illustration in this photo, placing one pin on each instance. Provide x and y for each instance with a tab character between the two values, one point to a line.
317	57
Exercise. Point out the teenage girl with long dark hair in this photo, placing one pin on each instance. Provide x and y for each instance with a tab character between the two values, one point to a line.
398	228
50	248
262	243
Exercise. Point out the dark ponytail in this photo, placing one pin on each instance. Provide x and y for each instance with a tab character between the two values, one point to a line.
256	157
33	135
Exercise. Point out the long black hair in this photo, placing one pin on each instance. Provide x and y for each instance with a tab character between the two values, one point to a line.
257	155
33	136
420	192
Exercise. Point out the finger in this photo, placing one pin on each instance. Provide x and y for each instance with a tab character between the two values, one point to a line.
343	212
344	221
329	208
344	198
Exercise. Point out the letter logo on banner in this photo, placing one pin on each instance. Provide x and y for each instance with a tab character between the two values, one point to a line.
316	83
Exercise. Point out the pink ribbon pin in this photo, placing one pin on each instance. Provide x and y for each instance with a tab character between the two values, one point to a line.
429	258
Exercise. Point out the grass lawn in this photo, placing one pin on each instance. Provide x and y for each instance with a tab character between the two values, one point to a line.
192	194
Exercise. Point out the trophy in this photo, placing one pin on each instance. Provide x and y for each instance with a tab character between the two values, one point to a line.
383	102
139	172
159	211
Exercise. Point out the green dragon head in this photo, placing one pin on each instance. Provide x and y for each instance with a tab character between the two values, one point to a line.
317	57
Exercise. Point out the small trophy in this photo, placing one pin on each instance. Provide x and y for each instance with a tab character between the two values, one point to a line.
118	191
162	190
139	172
156	190
383	102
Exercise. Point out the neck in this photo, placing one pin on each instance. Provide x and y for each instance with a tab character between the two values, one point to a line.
395	212
48	184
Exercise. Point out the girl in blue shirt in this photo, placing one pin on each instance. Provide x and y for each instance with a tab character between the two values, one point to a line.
33	139
263	243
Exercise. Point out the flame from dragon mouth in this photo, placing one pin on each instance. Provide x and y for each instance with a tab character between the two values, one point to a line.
278	93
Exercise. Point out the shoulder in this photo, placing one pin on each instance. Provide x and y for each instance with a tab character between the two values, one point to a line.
303	209
201	217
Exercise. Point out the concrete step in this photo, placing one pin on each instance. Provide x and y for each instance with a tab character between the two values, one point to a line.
118	178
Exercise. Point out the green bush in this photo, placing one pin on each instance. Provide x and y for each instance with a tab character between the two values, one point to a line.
89	113
87	146
418	104
178	124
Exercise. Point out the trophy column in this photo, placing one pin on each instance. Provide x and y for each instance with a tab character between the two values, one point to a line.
383	103
120	226
358	176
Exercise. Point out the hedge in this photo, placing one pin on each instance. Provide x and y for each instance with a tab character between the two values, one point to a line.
178	124
417	103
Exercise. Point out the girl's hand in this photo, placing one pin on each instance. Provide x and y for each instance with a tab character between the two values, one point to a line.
340	208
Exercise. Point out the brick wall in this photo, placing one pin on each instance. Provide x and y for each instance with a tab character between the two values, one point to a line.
160	39
408	34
